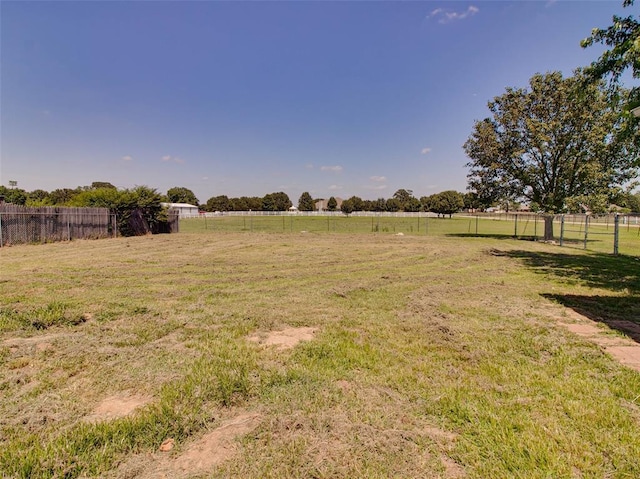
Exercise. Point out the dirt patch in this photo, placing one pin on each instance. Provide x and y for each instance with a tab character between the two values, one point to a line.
198	457
440	435
32	341
216	446
115	407
451	468
285	339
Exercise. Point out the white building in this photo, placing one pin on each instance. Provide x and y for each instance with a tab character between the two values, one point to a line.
185	210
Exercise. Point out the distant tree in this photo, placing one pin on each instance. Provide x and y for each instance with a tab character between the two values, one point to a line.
629	201
446	202
357	203
403	196
392	205
63	196
549	144
305	202
367	205
276	202
180	194
332	204
102	184
347	207
412	205
219	203
16	196
472	202
425	201
246	203
379	205
38	198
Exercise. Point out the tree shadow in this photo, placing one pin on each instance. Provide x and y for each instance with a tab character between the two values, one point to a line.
616	273
619	274
494	236
621	313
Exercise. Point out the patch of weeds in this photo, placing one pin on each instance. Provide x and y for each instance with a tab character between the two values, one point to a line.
229	367
18	363
139	310
53	314
5	352
10	320
336	353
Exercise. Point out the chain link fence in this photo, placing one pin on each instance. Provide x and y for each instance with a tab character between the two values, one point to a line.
617	234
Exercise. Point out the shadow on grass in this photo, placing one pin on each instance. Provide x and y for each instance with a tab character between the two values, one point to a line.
616	273
621	313
494	236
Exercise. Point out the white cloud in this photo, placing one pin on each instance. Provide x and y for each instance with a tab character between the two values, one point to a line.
446	16
167	158
335	187
425	151
335	169
378	178
309	166
205	177
127	158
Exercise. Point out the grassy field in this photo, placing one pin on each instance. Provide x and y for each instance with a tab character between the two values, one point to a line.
600	235
430	356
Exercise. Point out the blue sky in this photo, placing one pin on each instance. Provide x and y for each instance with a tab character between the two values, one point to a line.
249	98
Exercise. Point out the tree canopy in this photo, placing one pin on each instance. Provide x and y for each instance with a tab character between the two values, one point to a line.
444	203
276	202
556	141
180	194
305	202
623	36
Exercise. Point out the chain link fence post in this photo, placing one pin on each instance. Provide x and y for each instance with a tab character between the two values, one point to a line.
586	230
616	233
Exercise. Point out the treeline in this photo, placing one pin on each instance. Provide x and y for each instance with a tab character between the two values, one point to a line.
447	202
148	201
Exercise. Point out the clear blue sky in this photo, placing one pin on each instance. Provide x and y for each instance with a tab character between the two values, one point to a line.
249	98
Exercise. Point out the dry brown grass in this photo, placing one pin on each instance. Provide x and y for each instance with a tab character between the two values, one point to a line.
430	357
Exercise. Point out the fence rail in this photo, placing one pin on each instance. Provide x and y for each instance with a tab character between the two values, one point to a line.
20	224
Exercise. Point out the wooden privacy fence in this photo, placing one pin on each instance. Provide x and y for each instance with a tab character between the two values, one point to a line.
21	224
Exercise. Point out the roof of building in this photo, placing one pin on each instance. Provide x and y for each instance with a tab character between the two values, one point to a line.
179	205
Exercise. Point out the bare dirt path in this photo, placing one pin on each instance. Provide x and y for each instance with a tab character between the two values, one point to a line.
624	349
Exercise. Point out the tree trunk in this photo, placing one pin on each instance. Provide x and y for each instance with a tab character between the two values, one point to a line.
548	227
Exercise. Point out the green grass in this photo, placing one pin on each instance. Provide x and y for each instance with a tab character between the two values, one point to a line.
434	356
600	236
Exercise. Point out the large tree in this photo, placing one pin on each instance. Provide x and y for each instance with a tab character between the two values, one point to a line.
623	38
305	202
445	203
557	140
219	203
276	202
180	194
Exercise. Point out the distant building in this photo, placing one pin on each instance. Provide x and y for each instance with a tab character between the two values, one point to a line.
185	210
